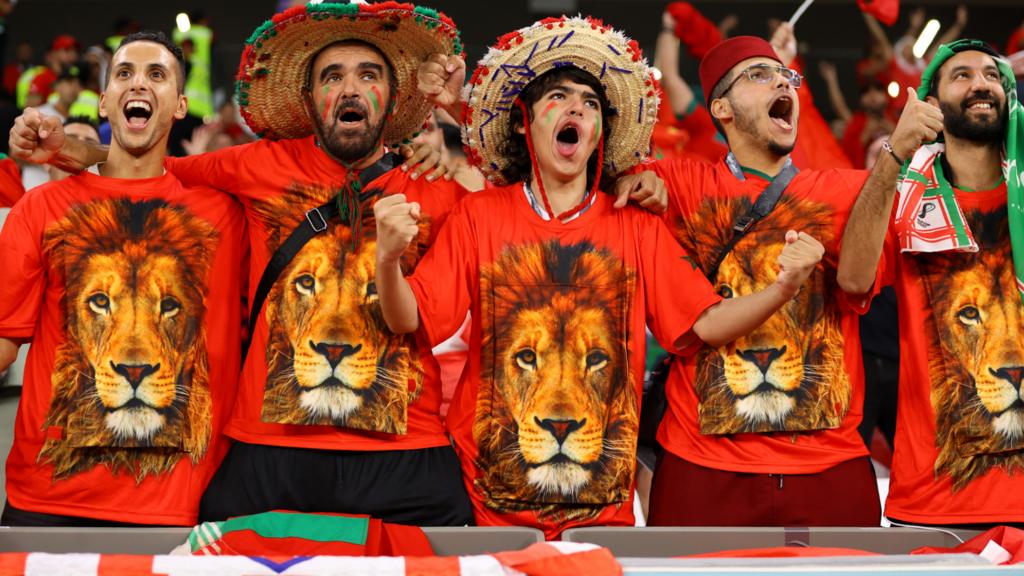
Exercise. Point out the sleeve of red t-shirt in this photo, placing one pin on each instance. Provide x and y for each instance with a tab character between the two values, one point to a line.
444	280
222	169
21	259
675	290
11	187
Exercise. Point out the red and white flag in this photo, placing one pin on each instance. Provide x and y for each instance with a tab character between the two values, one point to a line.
543	559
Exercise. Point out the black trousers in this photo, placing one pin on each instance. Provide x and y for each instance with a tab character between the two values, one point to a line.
881	389
17	517
415	487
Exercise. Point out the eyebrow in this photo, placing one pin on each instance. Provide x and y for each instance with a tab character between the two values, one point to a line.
587	93
158	66
362	66
962	68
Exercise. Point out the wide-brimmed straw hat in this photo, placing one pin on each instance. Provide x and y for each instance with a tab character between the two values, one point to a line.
275	63
521	56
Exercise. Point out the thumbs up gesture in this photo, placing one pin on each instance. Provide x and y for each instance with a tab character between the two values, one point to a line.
920	122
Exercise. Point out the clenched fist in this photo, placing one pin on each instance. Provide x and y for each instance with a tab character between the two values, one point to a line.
920	122
797	260
36	138
396	226
440	79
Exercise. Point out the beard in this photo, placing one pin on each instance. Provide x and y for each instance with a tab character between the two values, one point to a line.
956	122
748	123
349	145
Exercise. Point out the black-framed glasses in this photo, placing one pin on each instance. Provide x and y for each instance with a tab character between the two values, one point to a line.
765	73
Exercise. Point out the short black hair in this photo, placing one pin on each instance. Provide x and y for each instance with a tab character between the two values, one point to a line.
83	120
520	165
160	38
452	138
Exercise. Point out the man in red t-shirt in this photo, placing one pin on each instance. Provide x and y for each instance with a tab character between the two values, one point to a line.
126	284
559	284
334	413
763	431
948	248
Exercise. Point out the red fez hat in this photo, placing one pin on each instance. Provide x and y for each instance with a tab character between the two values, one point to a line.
64	42
720	59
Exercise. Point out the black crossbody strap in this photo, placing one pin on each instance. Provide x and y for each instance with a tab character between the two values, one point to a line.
763	206
315	222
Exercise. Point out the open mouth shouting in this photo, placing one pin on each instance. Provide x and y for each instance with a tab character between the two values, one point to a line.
351	117
780	112
567	139
137	113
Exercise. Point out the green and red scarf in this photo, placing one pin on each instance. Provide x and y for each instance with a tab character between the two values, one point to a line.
928	218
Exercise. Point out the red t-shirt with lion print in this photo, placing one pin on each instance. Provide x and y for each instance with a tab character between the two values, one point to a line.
323	371
545	418
787	398
128	292
959	454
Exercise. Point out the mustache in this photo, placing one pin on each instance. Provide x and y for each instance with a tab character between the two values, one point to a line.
985	96
350	105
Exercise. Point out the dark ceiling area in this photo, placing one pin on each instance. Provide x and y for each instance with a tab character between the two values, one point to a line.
831	29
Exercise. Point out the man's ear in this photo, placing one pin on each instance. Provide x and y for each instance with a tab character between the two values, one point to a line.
721	109
182	108
932	100
103	98
307	100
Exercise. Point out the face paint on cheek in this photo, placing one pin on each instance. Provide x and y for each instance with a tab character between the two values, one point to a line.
374	97
326	103
548	112
597	129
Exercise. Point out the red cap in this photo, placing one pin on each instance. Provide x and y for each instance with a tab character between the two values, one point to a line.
720	59
64	42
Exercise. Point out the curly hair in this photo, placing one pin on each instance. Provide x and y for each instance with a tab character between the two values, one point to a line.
520	165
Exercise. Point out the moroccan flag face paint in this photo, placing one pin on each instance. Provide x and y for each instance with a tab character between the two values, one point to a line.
597	128
549	112
374	97
326	103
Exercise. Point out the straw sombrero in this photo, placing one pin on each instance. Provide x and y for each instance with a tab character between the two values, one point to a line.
583	42
277	57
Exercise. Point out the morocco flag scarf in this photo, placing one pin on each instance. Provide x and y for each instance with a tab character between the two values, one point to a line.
928	218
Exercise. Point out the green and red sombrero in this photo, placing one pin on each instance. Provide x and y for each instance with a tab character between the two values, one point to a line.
277	57
584	42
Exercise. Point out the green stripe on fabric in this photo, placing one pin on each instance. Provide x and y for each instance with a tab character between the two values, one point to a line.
202	535
757	173
316	527
949	201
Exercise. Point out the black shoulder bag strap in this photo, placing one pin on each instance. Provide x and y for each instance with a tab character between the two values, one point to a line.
315	223
655	401
763	206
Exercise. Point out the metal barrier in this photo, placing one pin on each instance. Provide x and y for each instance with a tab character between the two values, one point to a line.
680	541
455	541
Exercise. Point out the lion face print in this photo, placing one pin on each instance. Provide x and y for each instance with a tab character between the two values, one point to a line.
788	375
557	411
330	357
976	354
130	385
